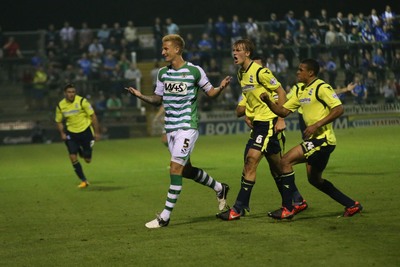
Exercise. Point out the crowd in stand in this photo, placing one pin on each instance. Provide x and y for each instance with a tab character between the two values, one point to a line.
365	47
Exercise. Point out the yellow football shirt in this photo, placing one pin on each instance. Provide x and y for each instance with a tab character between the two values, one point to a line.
317	99
76	114
254	81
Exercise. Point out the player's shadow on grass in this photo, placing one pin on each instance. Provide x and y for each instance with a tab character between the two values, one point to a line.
348	173
102	187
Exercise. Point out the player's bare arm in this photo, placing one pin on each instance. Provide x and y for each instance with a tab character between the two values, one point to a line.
215	91
60	127
151	99
348	88
240	111
277	109
335	113
280	124
95	124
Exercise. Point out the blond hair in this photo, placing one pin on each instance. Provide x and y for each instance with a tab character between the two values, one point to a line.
176	39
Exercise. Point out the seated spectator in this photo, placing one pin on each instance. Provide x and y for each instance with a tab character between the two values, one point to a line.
100	105
389	91
39	85
103	34
133	77
114	106
96	47
109	65
359	92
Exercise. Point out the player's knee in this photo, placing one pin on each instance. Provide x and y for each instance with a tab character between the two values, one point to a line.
190	172
315	181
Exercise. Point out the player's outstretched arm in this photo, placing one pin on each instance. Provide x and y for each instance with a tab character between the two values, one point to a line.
215	91
348	88
151	99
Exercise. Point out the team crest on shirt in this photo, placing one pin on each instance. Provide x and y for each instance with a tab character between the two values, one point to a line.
310	92
76	105
251	79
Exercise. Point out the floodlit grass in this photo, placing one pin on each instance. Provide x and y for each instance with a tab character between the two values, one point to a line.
45	220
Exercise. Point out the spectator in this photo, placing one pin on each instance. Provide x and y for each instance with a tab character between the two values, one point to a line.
315	41
288	47
205	46
96	66
379	66
396	66
171	27
291	22
354	38
342	45
389	91
85	37
100	105
252	32
373	18
133	77
131	36
283	65
307	21
12	48
11	52
67	34
221	28
236	29
367	39
51	35
349	69
103	34
113	46
219	50
209	28
301	41
158	33
351	22
388	16
117	32
109	65
84	64
39	85
114	107
359	92
323	23
277	45
331	69
372	87
274	24
96	47
123	63
338	21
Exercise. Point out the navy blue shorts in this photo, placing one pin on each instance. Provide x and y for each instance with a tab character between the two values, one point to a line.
82	141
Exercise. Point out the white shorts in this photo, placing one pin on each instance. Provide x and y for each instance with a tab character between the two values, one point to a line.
181	144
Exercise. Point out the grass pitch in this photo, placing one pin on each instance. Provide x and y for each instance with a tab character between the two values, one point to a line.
45	220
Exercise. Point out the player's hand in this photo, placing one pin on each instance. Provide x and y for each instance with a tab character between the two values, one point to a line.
309	131
225	82
350	86
133	91
265	97
280	125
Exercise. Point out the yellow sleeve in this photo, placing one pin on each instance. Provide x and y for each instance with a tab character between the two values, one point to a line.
268	80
